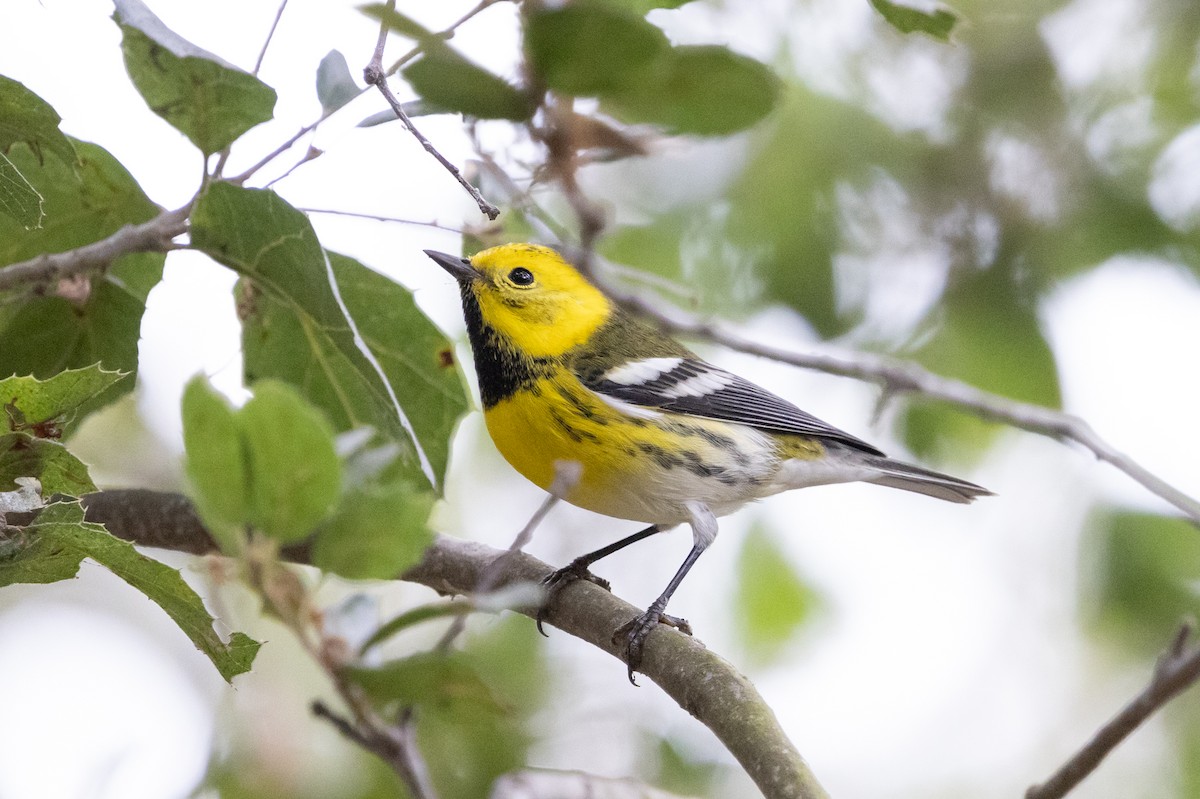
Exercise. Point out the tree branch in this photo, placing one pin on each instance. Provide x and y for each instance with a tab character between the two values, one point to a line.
697	679
1177	670
155	235
897	377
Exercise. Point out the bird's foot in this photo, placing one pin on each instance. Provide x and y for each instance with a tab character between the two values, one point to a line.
633	634
559	579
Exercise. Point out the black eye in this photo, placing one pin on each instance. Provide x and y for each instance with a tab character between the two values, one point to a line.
521	276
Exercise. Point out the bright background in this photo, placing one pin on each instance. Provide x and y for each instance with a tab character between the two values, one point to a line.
948	654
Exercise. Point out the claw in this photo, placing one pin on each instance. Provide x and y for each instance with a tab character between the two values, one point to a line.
678	622
634	633
559	579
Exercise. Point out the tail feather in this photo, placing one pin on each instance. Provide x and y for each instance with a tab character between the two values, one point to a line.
895	474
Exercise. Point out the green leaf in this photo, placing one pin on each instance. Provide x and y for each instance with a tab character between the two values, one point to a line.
58	540
377	532
91	321
772	601
593	48
447	80
295	475
707	90
216	462
36	401
906	19
293	328
397	22
335	85
417	359
25	117
18	198
1140	577
25	455
644	7
441	680
207	99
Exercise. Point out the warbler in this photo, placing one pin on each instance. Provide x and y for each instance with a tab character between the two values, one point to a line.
565	374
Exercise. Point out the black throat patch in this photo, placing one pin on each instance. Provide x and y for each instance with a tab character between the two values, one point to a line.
501	369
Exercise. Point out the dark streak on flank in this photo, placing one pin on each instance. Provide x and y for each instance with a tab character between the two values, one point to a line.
575	433
581	407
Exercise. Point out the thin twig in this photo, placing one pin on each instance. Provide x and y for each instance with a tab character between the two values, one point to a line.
280	150
155	235
381	42
380	82
270	35
375	76
901	377
380	218
1176	670
393	744
310	154
566	475
342	724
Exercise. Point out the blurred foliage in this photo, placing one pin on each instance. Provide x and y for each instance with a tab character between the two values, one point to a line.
1142	573
771	602
468	746
253	772
675	770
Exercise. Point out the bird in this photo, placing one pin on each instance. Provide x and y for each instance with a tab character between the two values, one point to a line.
660	436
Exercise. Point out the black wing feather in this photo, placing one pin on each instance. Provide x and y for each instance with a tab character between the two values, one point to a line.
735	400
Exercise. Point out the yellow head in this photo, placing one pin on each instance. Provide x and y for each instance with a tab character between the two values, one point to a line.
529	295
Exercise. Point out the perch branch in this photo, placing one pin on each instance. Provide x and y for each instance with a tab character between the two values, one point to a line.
1176	671
695	677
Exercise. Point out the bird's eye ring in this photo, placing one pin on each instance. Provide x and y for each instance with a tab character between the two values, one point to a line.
521	276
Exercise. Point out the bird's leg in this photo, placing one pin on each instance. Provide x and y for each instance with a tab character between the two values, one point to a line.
704	530
578	570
